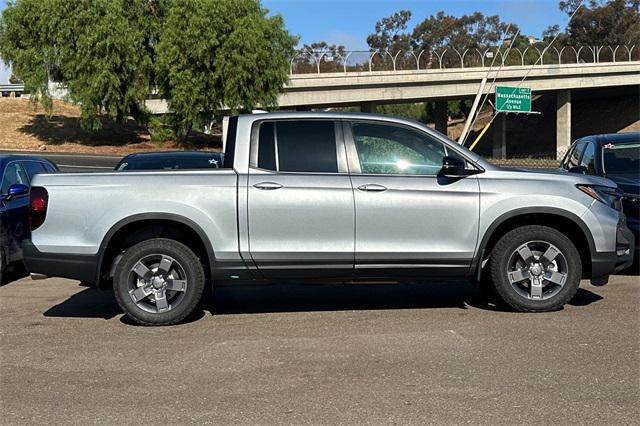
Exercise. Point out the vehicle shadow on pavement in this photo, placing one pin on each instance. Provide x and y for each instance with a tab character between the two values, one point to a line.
302	298
94	303
88	303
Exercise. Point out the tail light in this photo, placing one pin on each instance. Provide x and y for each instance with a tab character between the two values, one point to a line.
38	203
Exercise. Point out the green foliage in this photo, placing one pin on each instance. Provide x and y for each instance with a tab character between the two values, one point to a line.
28	46
160	130
612	22
89	46
390	33
414	111
111	55
217	53
468	31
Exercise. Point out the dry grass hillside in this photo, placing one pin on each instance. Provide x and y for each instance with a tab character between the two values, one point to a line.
25	127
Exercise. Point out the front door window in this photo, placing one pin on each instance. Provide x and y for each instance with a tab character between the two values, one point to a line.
384	149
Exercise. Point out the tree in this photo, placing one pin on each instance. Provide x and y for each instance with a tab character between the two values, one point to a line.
467	31
613	22
27	46
220	53
390	33
89	46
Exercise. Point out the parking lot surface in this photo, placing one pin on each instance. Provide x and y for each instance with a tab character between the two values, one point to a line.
392	354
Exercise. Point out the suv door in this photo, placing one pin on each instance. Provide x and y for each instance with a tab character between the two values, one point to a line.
300	201
409	219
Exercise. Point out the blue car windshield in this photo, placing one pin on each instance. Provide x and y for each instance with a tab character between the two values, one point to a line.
621	158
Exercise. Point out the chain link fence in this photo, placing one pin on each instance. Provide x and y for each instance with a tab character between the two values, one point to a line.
338	60
535	161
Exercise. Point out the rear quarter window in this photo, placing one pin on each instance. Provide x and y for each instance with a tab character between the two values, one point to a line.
304	146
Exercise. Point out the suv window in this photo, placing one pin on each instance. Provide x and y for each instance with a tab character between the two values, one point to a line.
388	149
573	158
298	146
49	168
13	173
589	159
33	168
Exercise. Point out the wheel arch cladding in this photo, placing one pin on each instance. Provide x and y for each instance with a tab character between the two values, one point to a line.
137	228
567	223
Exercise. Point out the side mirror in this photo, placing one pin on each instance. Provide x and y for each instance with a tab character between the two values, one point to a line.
453	167
582	170
16	190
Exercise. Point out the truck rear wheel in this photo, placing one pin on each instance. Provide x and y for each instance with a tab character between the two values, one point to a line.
158	282
535	269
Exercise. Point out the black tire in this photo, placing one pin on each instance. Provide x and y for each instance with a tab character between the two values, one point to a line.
507	246
124	282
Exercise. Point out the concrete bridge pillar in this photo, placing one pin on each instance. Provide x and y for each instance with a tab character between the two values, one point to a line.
500	136
440	116
368	106
563	122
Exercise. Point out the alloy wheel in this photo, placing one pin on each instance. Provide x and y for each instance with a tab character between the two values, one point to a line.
157	283
537	270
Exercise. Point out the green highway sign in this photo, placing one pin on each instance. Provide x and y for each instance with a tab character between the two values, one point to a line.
513	99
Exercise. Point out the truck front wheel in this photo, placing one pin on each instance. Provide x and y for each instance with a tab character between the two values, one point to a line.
535	269
158	282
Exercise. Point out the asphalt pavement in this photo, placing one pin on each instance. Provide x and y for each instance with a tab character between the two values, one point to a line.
75	163
436	353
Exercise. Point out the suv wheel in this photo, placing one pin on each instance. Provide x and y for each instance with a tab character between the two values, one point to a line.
535	269
158	282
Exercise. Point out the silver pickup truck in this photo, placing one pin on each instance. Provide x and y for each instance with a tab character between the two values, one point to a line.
330	197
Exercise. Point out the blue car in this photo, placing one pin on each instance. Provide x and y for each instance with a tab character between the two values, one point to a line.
616	157
16	172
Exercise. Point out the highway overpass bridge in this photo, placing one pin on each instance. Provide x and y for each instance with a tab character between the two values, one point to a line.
367	89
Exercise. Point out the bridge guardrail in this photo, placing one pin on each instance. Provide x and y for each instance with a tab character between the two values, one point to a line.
327	61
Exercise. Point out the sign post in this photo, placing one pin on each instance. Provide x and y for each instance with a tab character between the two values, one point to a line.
513	99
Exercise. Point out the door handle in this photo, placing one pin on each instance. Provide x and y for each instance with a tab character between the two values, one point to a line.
267	186
372	187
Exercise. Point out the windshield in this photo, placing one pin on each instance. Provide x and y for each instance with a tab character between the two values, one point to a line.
213	162
621	158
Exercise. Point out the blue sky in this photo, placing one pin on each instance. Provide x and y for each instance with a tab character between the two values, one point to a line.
348	22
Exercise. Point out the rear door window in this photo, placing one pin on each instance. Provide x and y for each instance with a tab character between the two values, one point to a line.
50	168
33	168
305	146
